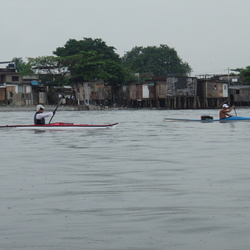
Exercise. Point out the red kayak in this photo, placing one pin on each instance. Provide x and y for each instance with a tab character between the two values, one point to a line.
60	126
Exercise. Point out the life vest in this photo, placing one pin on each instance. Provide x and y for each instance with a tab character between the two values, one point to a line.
39	121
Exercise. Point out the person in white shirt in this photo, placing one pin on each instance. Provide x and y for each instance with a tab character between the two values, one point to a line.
224	112
39	117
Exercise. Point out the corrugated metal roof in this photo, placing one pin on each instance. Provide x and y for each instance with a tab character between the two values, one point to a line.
239	87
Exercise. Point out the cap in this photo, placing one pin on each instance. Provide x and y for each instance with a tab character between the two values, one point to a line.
38	107
225	106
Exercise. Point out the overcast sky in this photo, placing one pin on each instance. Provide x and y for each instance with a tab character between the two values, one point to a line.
212	36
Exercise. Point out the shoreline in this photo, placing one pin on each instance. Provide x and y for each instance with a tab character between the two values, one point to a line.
33	108
49	108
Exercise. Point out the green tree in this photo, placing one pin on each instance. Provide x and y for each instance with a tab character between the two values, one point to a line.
161	61
91	59
73	47
52	69
86	66
22	67
89	66
245	74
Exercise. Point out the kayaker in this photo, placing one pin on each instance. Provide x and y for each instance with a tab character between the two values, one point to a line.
39	117
224	112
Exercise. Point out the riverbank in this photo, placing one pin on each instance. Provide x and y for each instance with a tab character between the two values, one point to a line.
33	108
48	108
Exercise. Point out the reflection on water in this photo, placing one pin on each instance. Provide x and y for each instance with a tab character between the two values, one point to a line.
147	184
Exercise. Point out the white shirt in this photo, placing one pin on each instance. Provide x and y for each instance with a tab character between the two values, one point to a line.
40	116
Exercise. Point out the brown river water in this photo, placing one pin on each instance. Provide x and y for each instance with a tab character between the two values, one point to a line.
148	184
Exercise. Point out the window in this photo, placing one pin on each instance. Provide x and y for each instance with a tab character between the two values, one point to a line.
15	78
2	78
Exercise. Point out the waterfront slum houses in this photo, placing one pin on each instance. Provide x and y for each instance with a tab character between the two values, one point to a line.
177	92
172	92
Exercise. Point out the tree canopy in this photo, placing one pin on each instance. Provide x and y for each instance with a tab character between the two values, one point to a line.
162	61
73	47
22	67
91	59
245	74
89	66
52	67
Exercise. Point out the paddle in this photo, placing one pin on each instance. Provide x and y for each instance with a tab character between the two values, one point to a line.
55	111
232	102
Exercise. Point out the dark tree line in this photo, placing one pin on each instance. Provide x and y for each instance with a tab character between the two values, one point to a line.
92	59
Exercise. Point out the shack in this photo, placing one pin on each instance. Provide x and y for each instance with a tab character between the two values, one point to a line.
241	94
101	93
140	94
14	89
181	92
212	93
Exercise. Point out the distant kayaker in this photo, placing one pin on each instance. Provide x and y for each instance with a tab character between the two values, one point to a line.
39	117
224	112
